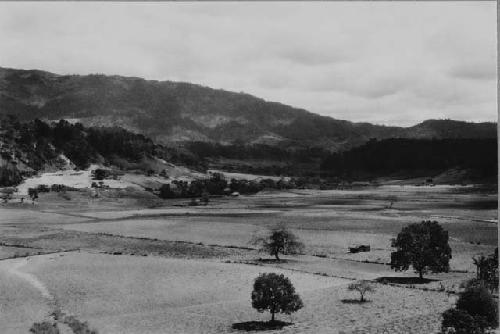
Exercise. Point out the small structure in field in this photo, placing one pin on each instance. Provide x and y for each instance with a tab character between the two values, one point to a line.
359	248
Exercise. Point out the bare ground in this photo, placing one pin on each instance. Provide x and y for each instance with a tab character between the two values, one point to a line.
128	239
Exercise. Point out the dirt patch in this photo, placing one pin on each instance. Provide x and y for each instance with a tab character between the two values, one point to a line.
68	240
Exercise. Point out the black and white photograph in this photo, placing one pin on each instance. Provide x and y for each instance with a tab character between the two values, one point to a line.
288	167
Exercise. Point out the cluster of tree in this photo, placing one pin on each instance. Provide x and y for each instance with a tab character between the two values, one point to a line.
217	185
43	142
424	246
37	144
266	159
413	156
43	188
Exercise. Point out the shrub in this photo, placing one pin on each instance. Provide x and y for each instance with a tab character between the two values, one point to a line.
478	301
276	294
362	287
77	326
475	311
460	322
44	328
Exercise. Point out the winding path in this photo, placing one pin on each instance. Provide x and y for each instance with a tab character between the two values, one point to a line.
13	267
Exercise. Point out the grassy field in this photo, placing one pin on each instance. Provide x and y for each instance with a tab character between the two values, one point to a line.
130	263
192	296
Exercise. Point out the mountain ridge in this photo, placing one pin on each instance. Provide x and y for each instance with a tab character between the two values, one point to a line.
176	112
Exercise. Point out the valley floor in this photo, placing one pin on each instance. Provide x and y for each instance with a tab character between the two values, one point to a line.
125	267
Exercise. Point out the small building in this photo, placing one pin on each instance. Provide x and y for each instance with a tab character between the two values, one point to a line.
359	248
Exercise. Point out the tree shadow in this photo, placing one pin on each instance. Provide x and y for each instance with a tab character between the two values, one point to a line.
405	280
274	261
260	325
355	301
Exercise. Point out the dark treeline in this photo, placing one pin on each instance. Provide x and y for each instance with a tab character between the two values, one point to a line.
218	185
44	142
390	156
255	151
28	147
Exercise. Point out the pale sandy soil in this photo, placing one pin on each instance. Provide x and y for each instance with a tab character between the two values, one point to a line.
165	294
21	302
124	294
82	179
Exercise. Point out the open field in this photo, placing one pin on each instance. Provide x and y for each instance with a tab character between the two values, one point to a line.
183	269
328	222
190	296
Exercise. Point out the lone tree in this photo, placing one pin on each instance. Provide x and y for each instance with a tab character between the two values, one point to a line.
276	294
362	287
280	240
423	246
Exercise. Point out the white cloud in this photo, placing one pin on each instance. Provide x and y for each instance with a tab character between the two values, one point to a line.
383	62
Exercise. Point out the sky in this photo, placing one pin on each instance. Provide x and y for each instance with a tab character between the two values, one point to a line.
394	63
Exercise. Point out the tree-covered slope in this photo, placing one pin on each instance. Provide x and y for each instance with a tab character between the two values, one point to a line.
170	112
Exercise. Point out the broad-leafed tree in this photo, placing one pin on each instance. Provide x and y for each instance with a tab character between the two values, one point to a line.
424	246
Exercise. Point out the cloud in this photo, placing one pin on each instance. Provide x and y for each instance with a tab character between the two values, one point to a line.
474	72
383	62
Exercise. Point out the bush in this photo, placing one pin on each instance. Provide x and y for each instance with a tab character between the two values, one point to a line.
478	301
362	287
475	311
77	326
44	328
460	322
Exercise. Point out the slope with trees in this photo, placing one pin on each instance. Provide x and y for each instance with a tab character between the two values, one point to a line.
414	157
169	111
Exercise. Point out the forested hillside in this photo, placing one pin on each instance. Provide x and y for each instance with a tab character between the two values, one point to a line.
30	147
415	157
174	112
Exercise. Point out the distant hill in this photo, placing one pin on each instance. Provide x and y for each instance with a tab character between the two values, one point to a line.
175	112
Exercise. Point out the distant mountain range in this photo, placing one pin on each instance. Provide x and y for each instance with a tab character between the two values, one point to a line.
175	112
